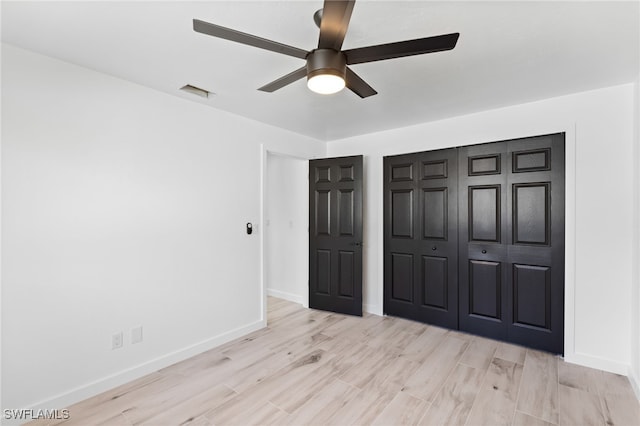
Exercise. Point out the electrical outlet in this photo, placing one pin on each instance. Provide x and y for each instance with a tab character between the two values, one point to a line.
116	340
136	335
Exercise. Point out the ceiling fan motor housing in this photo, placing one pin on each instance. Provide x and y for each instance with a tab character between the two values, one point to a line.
326	61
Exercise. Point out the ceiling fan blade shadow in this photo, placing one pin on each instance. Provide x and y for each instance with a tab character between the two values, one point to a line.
402	48
248	39
357	85
285	80
335	22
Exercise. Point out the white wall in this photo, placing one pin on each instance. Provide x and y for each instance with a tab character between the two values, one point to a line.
121	206
599	172
286	228
634	373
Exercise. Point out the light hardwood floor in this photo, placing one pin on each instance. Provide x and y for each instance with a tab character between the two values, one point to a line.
314	367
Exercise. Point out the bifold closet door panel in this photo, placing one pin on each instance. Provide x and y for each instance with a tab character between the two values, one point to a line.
483	254
536	236
420	222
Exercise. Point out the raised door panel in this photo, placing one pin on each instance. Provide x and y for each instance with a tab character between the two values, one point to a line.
402	213
402	172
323	174
347	173
346	277
485	289
435	271
323	272
402	277
435	169
480	165
346	217
485	218
435	213
531	213
532	296
533	160
323	212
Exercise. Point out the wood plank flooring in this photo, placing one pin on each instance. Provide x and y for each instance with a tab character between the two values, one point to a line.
313	367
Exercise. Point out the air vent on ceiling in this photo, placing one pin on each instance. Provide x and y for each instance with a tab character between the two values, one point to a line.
195	90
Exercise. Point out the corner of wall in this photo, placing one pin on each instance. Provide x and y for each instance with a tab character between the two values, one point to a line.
634	370
295	298
372	309
634	379
599	363
1	401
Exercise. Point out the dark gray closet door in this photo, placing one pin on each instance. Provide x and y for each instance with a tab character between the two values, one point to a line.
420	245
474	239
483	257
511	241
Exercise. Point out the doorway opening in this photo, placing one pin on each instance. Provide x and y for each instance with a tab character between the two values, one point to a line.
286	216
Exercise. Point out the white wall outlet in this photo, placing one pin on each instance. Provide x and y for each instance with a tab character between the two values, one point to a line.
136	335
116	340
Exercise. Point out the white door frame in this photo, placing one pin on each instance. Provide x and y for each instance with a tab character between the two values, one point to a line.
264	164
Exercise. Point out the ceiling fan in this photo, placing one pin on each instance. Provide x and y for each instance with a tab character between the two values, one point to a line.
326	68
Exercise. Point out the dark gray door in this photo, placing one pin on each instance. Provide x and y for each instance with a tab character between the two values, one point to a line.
421	239
511	237
335	234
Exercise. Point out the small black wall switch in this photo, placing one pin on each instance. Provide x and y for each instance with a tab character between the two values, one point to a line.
249	228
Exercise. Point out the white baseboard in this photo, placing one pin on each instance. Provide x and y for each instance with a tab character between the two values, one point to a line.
372	309
106	383
635	382
598	363
295	298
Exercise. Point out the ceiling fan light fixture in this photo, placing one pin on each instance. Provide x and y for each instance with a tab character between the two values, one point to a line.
326	70
325	84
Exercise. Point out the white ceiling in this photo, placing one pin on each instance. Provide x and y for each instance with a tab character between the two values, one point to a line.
508	53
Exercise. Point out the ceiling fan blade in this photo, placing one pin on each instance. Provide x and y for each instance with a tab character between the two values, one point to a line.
402	48
283	81
358	85
335	22
248	39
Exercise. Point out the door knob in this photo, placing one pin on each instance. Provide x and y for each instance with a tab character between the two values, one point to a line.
357	244
433	248
484	252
